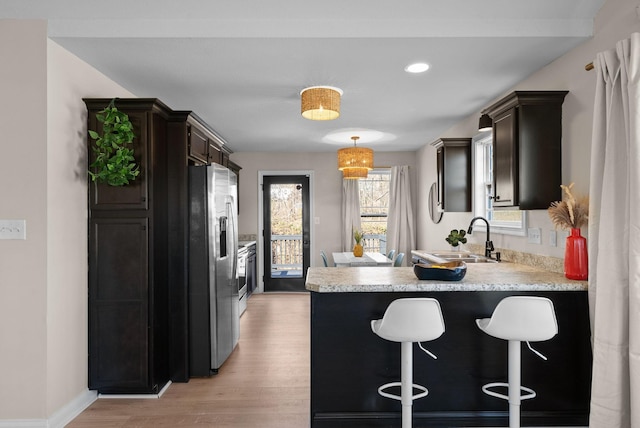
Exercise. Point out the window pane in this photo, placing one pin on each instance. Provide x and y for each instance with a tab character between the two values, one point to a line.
374	207
502	221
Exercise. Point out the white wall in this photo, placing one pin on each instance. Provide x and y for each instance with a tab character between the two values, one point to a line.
615	21
69	80
327	189
23	174
43	279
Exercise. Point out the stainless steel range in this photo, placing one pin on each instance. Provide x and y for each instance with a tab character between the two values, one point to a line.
243	254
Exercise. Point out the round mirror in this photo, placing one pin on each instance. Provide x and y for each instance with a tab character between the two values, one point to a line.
434	208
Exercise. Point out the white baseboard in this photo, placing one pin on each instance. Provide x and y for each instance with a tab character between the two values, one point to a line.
137	396
68	413
23	423
60	418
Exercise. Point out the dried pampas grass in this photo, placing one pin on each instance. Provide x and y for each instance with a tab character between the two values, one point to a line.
570	212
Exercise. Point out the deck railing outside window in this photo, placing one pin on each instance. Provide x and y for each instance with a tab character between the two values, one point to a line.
286	250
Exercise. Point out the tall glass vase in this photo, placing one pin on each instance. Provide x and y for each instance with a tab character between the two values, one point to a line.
576	260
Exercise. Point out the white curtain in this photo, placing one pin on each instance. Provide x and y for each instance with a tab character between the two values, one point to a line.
400	222
350	212
614	239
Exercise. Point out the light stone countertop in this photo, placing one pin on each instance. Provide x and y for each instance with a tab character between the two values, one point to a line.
503	276
246	243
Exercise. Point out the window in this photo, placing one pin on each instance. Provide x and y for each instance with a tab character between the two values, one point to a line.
374	208
511	222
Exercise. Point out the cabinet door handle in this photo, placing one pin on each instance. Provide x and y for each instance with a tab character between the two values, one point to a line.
497	198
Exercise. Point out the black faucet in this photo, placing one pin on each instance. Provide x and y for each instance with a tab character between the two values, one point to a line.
488	245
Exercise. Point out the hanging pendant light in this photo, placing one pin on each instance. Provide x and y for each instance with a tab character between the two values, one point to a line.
355	162
320	102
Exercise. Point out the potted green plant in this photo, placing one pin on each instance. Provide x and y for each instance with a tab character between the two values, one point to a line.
456	237
114	163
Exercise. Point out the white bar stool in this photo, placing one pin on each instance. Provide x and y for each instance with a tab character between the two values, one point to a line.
407	321
519	319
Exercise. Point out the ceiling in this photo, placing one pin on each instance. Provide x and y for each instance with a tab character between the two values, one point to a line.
241	64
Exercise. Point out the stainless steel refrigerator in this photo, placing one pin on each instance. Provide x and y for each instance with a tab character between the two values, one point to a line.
214	319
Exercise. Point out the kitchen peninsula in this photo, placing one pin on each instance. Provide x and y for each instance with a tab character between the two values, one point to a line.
349	362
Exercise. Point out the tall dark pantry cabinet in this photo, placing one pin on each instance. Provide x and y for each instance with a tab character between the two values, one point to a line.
139	333
128	266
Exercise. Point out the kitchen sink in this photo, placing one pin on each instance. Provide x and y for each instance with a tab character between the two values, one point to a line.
465	257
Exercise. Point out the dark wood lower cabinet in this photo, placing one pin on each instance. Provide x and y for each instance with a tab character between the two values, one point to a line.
128	348
349	362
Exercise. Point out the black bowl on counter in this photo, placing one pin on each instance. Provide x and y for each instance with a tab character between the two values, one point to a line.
446	271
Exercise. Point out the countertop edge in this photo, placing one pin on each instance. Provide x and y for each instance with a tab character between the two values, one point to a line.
506	277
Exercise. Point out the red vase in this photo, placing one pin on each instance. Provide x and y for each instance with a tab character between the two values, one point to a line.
576	261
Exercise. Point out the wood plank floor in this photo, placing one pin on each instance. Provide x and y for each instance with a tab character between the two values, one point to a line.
264	383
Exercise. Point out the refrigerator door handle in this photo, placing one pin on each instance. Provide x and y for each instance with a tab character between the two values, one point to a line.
223	236
234	237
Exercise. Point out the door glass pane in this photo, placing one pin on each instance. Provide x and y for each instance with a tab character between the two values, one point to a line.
286	231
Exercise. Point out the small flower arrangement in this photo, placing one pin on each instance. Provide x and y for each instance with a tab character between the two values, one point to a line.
571	212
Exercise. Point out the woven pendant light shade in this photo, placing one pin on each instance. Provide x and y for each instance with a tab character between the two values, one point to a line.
354	173
320	103
355	162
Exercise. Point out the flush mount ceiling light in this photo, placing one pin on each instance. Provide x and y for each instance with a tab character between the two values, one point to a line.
418	67
320	102
355	162
485	123
367	136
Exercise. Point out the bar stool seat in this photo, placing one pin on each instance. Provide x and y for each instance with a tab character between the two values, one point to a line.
407	321
519	319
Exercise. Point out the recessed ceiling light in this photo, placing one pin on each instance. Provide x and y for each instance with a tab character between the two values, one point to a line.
418	67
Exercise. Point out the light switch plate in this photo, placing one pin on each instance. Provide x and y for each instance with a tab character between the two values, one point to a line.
553	238
533	234
13	229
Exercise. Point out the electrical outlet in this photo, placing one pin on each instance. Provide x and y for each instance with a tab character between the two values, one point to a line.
534	235
13	229
553	238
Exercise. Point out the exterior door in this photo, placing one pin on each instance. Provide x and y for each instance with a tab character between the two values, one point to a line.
286	220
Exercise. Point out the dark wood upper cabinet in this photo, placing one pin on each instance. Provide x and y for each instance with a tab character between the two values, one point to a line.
198	145
453	174
136	194
527	149
505	159
215	153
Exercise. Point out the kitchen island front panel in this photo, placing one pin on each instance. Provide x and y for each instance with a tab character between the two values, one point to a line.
349	362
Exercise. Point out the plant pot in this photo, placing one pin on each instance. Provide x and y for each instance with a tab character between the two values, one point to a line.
576	260
358	250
